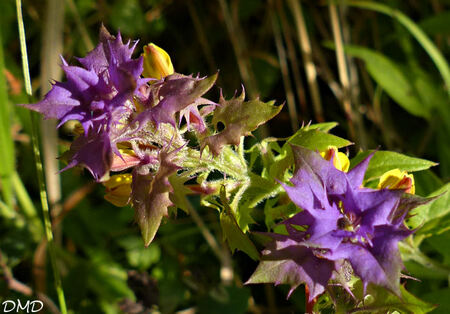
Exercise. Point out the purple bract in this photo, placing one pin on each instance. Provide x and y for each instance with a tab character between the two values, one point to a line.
341	223
98	94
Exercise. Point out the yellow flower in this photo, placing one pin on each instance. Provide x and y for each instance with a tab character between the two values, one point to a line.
340	160
396	179
157	63
118	189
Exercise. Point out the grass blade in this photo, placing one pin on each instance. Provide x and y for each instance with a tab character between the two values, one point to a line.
27	207
40	172
415	30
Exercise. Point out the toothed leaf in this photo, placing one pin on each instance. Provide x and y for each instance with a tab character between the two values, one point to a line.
232	233
239	118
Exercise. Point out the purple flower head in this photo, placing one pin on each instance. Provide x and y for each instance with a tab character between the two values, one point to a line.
99	94
340	223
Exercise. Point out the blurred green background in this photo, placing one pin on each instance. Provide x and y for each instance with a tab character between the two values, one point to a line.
352	63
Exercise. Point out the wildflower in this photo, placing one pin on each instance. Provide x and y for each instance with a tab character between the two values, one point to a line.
98	94
341	224
129	122
396	179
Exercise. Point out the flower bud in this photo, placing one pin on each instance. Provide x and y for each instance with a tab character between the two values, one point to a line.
396	180
118	189
340	160
157	63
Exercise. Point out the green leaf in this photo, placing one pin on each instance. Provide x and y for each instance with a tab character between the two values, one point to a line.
393	79
441	243
428	90
259	190
232	233
420	265
437	24
317	140
324	126
442	135
239	119
383	161
179	191
106	277
380	300
426	182
441	298
225	300
434	215
275	159
127	16
137	255
282	162
274	214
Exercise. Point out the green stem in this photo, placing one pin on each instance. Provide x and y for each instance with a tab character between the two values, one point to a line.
415	30
237	197
241	152
40	173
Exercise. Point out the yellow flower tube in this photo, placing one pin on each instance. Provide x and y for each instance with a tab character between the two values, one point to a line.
396	179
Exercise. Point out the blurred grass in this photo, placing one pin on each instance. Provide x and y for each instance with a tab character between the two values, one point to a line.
416	31
38	163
